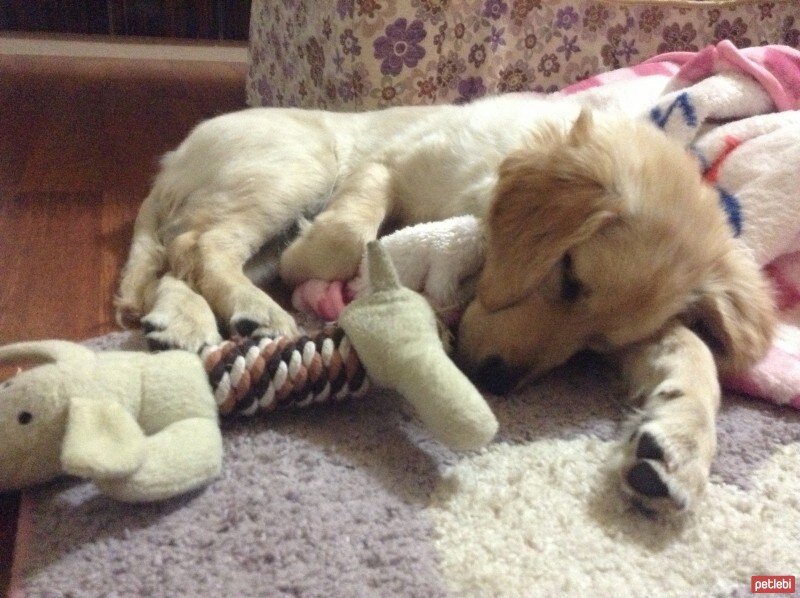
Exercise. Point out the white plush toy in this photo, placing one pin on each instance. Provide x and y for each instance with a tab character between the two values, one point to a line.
144	427
440	260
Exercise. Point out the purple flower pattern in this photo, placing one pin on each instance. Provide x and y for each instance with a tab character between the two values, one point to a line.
569	47
360	54
516	77
566	18
477	55
344	8
549	64
521	10
349	43
495	39
792	35
733	30
400	46
315	55
469	89
677	37
449	70
494	9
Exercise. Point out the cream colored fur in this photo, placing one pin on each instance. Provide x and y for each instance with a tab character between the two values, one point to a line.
604	203
238	181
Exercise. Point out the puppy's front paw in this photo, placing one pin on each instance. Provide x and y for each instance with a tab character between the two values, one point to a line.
256	314
277	324
665	462
328	250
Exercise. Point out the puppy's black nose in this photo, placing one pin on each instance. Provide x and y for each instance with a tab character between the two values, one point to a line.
495	376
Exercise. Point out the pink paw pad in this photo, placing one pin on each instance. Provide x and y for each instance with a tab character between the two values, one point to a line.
321	298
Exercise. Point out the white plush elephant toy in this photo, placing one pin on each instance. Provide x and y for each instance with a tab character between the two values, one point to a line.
114	417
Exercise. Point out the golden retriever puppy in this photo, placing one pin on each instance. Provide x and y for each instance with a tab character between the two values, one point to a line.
240	183
613	243
601	235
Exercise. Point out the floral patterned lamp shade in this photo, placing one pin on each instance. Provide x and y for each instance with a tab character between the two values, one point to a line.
365	54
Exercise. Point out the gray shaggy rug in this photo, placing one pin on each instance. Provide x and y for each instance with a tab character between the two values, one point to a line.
357	500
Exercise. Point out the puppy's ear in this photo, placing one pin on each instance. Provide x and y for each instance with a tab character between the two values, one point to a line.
543	205
581	130
734	312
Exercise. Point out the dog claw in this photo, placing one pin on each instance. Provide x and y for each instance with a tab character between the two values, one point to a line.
648	448
644	479
244	326
155	345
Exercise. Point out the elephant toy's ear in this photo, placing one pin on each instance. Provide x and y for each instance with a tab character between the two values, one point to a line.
45	352
102	440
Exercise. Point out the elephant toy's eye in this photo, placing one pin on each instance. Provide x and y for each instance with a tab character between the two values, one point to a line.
24	417
5	384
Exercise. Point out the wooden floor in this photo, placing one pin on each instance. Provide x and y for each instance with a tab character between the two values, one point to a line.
79	145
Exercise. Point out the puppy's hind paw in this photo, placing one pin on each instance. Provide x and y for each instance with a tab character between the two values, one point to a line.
162	334
126	316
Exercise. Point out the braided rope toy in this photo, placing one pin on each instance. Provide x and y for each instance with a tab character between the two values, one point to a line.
248	375
401	348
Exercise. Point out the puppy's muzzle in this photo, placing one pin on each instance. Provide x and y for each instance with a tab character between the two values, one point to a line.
495	376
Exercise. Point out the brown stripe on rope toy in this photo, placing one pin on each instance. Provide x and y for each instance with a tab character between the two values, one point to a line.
249	375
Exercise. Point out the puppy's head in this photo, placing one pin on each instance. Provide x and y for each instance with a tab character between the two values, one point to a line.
600	232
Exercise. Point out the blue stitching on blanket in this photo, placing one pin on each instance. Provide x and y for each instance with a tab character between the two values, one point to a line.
733	210
682	101
704	165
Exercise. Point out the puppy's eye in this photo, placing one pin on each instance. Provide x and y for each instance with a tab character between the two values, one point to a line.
599	342
24	417
571	287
